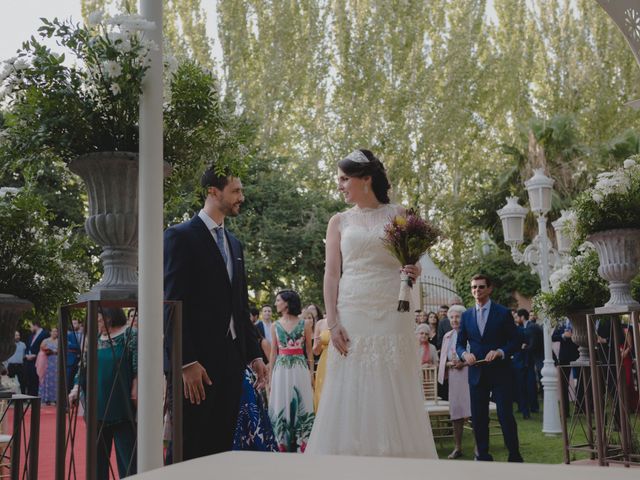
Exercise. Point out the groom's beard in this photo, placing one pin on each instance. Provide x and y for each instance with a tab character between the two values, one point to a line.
231	209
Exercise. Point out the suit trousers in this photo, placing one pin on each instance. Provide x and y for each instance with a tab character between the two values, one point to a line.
31	378
503	397
17	370
208	428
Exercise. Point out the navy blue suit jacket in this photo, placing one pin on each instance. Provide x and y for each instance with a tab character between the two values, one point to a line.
195	272
34	348
499	333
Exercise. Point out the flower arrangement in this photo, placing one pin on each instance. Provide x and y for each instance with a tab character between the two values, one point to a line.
67	109
575	286
612	203
407	237
88	106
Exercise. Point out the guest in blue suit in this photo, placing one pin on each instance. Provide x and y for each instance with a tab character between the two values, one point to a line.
491	333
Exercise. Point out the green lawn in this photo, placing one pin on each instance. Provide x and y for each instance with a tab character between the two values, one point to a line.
535	446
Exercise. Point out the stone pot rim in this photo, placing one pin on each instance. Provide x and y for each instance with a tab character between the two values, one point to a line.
107	154
613	231
581	311
115	155
10	298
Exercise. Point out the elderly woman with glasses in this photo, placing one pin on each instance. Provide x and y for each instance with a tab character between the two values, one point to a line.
457	372
426	350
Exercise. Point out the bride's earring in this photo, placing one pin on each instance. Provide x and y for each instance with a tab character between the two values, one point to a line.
366	189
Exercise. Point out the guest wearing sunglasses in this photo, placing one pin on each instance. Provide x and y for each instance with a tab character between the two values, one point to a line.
492	337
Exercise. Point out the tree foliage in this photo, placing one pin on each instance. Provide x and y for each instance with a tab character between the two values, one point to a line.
507	278
282	227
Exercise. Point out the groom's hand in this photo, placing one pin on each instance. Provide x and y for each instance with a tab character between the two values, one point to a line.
260	369
193	377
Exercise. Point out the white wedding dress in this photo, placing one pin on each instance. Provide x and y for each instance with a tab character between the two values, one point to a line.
371	401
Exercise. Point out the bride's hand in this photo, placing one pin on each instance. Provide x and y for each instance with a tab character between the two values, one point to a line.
413	271
340	339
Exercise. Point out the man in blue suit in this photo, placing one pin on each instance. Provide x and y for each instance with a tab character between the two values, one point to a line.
204	268
38	334
491	334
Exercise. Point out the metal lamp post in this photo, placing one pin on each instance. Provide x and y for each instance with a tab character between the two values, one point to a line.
542	258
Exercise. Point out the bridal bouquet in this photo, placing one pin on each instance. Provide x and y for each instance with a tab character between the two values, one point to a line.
408	237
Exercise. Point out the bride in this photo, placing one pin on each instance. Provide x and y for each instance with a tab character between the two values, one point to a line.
371	401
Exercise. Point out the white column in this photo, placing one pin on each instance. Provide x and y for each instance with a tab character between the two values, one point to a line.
551	414
150	290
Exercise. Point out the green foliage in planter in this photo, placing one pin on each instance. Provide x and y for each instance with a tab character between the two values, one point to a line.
65	109
40	262
575	286
507	277
614	202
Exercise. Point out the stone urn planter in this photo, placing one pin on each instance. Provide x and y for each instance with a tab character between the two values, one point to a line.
580	336
11	309
111	179
619	254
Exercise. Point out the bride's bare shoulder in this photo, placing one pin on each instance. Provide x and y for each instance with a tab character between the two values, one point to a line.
398	209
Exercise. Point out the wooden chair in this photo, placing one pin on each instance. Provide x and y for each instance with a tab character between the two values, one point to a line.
430	383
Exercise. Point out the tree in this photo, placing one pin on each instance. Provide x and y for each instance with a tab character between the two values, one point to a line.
506	277
282	227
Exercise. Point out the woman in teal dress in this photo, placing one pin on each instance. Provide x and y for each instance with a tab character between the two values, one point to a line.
117	392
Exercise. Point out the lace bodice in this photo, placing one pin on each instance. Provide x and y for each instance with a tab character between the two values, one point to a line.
370	277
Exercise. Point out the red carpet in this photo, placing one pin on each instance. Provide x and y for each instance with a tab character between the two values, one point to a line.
47	453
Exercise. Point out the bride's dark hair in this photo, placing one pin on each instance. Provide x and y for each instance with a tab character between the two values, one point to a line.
374	169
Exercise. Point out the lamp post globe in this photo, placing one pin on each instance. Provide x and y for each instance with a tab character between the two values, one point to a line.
539	188
512	217
564	233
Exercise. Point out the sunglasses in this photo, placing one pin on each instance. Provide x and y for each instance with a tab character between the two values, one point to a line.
479	287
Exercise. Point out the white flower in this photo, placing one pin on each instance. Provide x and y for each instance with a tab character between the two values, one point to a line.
172	63
558	277
115	88
95	17
11	60
112	69
597	198
131	22
5	190
123	46
629	162
20	64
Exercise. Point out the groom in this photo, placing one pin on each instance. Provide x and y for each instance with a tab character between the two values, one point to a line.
204	268
491	332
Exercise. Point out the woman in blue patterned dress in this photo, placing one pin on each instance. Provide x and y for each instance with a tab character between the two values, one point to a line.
253	429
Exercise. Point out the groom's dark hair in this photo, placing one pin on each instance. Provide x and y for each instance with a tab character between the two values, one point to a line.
212	178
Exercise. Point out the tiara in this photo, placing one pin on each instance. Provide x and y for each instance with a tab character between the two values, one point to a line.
358	157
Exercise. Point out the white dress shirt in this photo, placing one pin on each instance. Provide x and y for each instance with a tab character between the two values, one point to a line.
212	225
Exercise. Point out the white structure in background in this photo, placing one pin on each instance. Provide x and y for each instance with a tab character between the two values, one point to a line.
150	221
542	258
435	287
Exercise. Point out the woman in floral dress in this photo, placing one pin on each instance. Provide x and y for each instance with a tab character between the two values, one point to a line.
291	398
